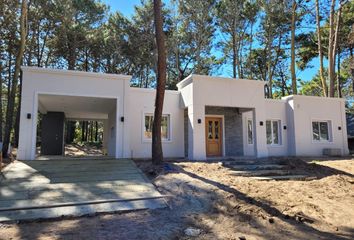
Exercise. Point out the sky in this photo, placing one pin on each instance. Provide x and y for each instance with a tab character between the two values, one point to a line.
126	7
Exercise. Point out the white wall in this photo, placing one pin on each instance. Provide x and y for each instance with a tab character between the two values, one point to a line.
112	133
105	135
142	101
248	149
308	109
223	92
195	92
276	110
60	82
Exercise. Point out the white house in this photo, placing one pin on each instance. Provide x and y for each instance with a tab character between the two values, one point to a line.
206	117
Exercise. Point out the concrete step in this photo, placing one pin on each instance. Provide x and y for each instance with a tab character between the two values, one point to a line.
261	172
241	162
253	167
80	209
55	199
284	177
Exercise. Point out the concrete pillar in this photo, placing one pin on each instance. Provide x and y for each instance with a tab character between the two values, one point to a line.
105	136
261	149
196	132
126	149
28	125
345	150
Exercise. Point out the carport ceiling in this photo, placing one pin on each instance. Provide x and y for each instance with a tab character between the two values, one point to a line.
77	107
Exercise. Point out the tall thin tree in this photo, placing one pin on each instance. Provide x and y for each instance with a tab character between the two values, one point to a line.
330	49
157	153
336	43
292	65
0	102
13	90
333	43
319	45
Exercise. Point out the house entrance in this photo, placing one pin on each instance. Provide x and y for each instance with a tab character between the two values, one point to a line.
213	130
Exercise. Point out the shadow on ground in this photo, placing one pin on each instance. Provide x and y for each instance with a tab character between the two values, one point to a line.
221	210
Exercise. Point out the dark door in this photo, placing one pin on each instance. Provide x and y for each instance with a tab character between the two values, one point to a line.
52	133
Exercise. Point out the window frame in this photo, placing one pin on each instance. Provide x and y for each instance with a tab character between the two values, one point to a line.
279	132
169	128
329	131
247	131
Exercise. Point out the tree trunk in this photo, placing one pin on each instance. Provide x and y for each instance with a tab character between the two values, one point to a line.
234	56
82	131
320	54
91	131
335	45
292	65
250	49
86	130
18	114
1	120
339	84
157	154
96	132
330	50
11	100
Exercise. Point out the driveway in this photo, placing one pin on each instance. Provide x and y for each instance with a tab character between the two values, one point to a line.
73	187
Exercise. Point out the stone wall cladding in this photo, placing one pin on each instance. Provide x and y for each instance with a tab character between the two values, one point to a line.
233	128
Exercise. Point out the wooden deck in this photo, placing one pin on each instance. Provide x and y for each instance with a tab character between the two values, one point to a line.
72	187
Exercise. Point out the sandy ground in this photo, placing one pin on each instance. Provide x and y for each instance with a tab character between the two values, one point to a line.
76	150
206	197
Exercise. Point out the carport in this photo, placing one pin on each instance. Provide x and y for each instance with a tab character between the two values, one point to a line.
56	110
72	95
61	187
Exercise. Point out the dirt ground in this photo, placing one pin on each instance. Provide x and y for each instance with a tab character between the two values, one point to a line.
205	196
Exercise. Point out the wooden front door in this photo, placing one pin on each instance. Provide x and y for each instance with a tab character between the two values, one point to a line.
213	135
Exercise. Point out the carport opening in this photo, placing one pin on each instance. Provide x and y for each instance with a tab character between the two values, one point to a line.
83	138
76	126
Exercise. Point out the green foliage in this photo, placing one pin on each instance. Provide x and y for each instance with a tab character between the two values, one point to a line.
313	87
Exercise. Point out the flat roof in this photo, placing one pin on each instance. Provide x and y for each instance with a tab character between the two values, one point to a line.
75	73
192	77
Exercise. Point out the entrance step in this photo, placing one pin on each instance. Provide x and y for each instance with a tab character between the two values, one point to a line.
81	209
241	162
269	172
253	167
284	177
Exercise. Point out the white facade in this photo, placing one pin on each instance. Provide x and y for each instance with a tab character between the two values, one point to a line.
294	120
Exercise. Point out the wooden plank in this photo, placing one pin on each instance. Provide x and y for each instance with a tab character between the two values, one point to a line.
6	194
81	210
28	175
92	185
73	200
74	158
34	185
63	165
257	166
78	164
73	179
260	172
284	177
69	169
74	162
19	165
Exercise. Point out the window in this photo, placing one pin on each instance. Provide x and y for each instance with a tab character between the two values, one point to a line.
320	131
273	132
165	126
249	131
